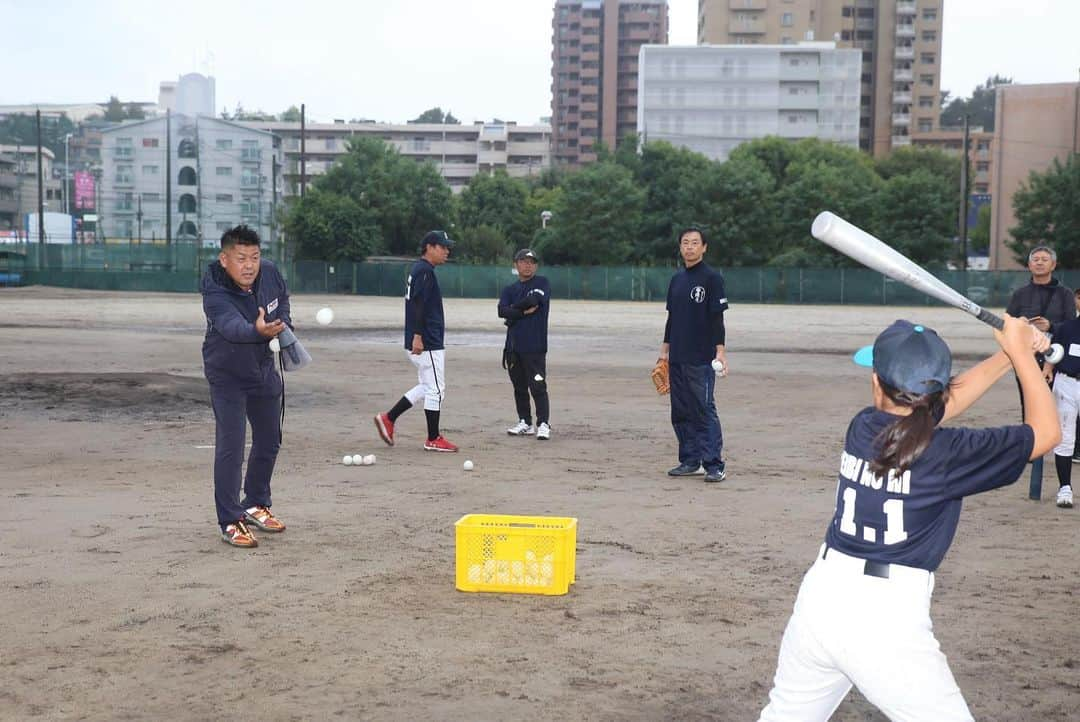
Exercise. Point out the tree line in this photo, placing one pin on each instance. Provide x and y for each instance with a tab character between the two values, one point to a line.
756	208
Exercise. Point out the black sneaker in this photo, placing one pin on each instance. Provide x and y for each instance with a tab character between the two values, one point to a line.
686	470
715	475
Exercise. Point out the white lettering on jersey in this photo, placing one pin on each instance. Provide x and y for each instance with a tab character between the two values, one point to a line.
857	471
697	294
408	287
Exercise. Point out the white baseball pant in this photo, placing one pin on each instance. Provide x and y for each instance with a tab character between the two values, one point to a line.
1066	391
432	386
852	628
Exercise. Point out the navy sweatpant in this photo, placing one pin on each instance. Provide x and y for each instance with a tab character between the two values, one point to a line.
693	414
233	410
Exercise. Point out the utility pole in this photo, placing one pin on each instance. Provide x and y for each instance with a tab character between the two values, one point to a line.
964	200
303	166
67	174
138	218
40	197
273	195
168	176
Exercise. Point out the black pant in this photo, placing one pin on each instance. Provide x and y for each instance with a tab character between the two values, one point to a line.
233	410
528	373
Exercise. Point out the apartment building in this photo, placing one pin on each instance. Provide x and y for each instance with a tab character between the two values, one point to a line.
458	151
19	185
594	74
711	98
222	175
980	151
900	41
1033	125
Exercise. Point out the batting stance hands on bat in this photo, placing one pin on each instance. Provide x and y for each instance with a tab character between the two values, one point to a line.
862	614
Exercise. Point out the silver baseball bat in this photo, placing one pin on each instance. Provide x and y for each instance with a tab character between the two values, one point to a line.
874	253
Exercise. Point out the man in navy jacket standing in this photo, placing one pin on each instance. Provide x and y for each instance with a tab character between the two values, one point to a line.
524	304
246	305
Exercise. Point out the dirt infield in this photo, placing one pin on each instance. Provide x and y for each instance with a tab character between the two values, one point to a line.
119	601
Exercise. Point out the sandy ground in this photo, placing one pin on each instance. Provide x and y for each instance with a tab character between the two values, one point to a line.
119	601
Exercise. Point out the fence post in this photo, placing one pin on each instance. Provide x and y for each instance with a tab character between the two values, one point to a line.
800	285
760	286
884	289
841	286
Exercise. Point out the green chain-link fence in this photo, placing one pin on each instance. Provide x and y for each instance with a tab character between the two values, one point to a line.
178	267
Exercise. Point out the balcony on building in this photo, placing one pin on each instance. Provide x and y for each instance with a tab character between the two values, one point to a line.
905	52
901	119
902	97
746	27
905	30
906	7
748	4
903	74
899	140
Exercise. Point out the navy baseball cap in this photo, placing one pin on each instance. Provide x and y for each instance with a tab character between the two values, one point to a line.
909	357
526	253
436	238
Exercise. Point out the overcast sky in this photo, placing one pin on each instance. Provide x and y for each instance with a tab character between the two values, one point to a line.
389	60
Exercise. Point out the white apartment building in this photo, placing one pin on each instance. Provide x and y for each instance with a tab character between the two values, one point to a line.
222	175
712	98
458	151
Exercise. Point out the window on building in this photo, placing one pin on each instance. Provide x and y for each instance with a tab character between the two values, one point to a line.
187	230
149	142
223	144
786	40
926	101
929	14
149	170
187	177
864	34
982	165
787	20
186	149
927	58
865	12
186	204
848	11
927	80
224	170
845	35
224	198
151	197
929	36
925	125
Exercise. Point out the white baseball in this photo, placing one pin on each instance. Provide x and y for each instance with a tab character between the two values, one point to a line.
468	465
325	316
369	459
275	345
357	459
346	460
718	366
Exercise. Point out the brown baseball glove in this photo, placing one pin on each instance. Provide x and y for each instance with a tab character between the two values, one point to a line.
660	376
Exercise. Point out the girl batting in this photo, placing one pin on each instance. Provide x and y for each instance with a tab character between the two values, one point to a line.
862	615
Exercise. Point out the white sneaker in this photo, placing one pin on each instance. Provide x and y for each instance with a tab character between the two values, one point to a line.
1064	497
543	432
521	429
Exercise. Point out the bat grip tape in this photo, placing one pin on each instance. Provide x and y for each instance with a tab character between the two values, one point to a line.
991	319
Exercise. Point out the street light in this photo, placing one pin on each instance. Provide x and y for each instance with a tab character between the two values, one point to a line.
545	216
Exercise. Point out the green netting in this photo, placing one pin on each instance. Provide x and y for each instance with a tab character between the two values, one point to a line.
177	267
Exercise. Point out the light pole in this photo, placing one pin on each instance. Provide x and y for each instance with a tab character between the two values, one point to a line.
545	216
67	173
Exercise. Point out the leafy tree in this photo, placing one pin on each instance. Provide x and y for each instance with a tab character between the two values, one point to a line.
849	190
132	111
597	217
405	198
436	115
916	214
541	199
242	113
290	115
775	155
1047	211
979	238
22	130
667	175
979	107
114	110
484	244
332	227
903	161
733	202
497	201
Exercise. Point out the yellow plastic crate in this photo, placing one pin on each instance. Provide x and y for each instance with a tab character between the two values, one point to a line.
518	554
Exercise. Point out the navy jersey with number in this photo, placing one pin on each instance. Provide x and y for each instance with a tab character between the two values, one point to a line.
695	296
911	518
423	307
1068	335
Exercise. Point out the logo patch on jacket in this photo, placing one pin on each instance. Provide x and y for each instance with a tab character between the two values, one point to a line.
271	307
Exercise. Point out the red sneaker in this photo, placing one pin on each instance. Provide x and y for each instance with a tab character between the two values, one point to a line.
439	444
385	427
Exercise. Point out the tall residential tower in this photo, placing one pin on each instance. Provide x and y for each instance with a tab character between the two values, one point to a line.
594	80
900	40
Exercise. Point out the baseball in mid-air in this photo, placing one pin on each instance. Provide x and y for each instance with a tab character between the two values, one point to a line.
718	366
369	460
275	345
346	460
468	465
325	315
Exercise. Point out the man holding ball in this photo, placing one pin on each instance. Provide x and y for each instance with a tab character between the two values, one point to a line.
524	306
424	328
693	345
246	305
